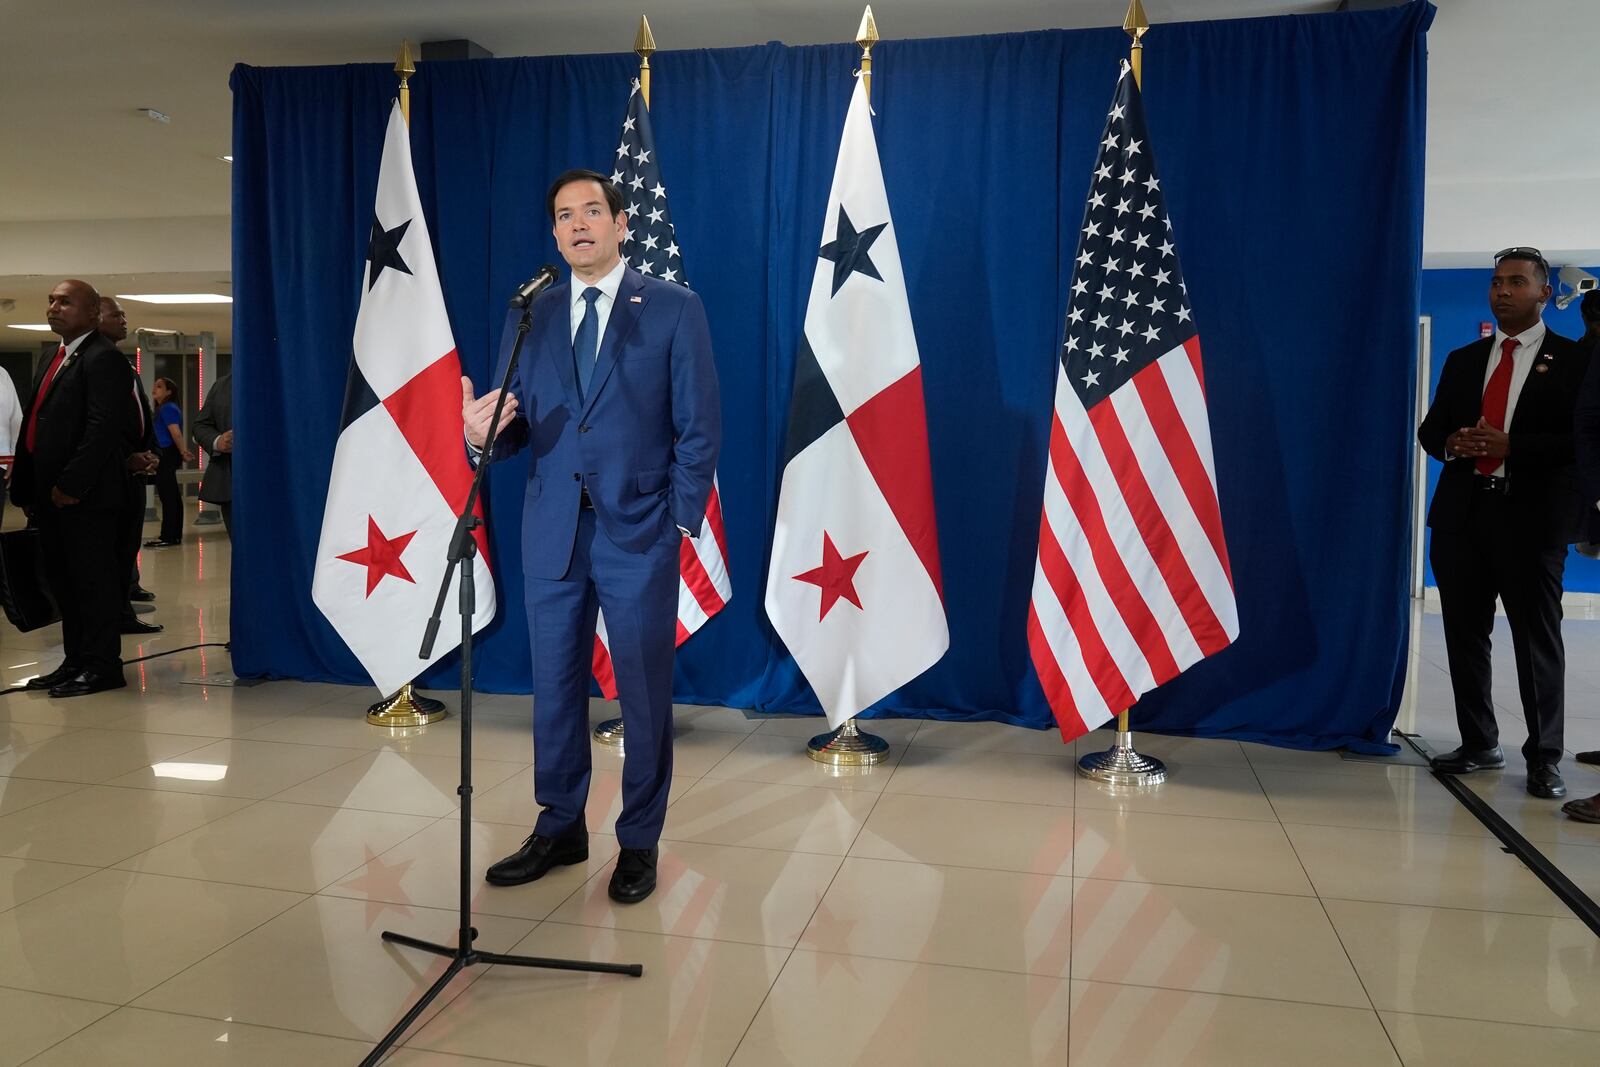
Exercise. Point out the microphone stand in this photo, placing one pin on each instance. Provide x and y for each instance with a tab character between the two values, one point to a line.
462	549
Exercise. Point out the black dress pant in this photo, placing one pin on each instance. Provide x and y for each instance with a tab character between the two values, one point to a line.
227	517
171	498
88	572
1474	565
133	529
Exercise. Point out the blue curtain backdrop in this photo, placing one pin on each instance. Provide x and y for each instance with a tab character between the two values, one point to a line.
1291	152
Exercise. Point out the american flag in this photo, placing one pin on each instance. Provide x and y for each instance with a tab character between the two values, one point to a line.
651	247
1132	584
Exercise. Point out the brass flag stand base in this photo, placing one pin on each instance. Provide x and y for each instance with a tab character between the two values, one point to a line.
406	708
609	733
1121	764
848	747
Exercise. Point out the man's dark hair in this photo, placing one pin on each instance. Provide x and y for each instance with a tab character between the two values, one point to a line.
172	386
613	195
1589	307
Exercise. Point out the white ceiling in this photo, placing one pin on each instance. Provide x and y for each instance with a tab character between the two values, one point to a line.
1509	81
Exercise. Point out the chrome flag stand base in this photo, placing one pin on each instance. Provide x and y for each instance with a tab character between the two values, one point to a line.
609	733
406	708
848	747
1121	764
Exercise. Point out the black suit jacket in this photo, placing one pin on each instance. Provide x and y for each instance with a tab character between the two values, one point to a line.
1586	441
216	417
81	441
142	431
1540	467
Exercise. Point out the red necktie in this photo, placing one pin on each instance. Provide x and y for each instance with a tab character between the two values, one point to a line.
38	400
1496	395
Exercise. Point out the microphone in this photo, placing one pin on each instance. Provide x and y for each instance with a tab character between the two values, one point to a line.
531	288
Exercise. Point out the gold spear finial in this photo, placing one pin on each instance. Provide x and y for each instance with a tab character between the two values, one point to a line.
1136	25
866	37
644	46
1137	21
404	66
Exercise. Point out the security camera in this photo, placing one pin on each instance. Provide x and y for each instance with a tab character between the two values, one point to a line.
1574	281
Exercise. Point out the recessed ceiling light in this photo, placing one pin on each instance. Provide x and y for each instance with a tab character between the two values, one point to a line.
176	298
40	326
226	159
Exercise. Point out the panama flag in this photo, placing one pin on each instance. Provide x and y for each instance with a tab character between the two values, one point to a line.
400	471
854	587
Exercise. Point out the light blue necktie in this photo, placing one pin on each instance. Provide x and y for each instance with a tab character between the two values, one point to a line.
586	341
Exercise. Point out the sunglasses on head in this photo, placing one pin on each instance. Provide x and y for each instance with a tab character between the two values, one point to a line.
1523	252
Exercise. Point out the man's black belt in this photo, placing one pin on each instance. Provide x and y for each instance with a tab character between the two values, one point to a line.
1489	483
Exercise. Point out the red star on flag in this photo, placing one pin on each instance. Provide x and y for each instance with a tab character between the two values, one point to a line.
836	576
379	885
381	556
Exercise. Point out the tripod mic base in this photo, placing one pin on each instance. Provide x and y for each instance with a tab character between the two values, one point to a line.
464	956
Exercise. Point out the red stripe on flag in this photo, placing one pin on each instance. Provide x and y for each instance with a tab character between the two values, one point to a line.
430	421
1192	346
1113	570
891	429
603	671
714	518
693	574
683	632
1155	531
1102	666
1057	693
1178	443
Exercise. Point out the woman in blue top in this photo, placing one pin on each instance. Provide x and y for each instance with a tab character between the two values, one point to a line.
169	435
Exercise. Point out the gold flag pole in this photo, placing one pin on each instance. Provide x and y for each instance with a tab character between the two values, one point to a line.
609	732
407	708
849	746
1121	764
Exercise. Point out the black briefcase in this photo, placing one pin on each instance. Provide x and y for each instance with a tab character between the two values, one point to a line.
24	591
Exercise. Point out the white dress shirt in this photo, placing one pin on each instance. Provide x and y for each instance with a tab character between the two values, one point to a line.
608	287
72	350
1522	358
10	419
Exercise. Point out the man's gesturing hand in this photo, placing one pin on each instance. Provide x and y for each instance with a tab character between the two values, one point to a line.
476	413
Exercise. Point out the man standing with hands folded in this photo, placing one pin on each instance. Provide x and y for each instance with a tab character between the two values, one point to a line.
616	400
72	478
1505	510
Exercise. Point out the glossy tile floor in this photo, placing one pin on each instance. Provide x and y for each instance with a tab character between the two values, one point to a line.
198	875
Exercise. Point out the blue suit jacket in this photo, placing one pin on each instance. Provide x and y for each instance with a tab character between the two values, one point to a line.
645	439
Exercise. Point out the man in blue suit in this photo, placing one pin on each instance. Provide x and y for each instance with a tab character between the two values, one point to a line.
616	399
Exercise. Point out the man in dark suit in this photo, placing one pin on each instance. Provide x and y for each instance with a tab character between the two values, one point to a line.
1503	515
1586	439
72	478
213	428
142	462
616	399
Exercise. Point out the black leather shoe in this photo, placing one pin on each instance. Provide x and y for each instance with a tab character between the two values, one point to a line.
1465	761
1544	782
635	876
156	542
54	678
135	626
1591	758
141	594
88	682
537	856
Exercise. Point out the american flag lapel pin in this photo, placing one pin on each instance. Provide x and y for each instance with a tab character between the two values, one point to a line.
640	300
